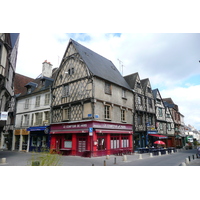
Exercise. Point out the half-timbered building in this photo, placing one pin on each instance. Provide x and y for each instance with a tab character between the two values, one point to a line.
92	105
177	141
161	123
150	111
140	110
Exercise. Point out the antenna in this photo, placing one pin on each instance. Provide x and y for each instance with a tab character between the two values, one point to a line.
121	64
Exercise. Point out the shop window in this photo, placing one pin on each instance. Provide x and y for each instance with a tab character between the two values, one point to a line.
124	142
114	142
101	144
67	144
34	141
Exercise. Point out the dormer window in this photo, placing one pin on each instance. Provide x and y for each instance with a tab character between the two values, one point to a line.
29	90
138	85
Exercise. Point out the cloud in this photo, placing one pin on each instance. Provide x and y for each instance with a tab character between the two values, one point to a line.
170	61
188	100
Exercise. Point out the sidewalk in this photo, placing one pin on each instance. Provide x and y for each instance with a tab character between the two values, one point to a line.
15	158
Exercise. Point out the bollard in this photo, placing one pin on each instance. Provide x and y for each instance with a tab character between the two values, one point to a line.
140	156
166	152
193	157
159	153
115	161
172	151
151	155
124	158
104	163
189	158
183	164
92	164
107	157
187	161
3	160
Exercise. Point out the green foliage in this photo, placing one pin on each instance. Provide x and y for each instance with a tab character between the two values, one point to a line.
44	159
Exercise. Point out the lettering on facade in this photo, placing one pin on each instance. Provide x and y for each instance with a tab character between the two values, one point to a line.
75	126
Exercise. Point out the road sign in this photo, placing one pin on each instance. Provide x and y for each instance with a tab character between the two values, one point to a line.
90	131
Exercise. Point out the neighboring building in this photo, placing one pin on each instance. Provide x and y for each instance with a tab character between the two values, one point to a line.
177	142
139	121
8	59
92	105
150	113
164	121
170	128
33	113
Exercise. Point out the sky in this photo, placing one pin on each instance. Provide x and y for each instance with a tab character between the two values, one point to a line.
169	60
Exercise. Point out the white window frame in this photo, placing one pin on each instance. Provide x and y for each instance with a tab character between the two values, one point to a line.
26	105
47	99
37	101
107	112
66	114
123	115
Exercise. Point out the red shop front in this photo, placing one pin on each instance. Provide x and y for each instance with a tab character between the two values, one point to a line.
91	138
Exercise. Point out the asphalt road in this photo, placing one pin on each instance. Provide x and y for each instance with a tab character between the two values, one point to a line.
14	158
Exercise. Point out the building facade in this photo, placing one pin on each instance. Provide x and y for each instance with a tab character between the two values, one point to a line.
8	59
33	113
92	105
139	121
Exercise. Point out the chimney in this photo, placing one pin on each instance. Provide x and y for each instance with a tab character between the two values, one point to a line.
47	69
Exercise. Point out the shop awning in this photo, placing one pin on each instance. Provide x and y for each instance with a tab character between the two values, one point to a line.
37	128
69	131
114	131
159	136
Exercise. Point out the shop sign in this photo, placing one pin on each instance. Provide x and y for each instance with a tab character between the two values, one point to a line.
90	131
3	116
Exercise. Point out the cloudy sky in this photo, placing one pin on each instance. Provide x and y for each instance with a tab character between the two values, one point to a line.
169	60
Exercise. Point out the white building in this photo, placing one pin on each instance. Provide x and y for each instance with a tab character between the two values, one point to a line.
33	113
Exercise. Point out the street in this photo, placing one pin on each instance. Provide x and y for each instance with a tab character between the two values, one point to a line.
14	158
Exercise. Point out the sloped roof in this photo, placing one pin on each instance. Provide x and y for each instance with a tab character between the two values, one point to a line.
131	79
100	66
154	93
19	82
144	83
169	100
